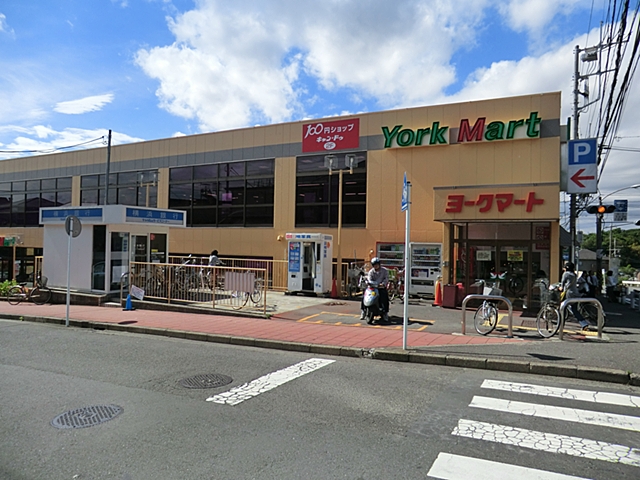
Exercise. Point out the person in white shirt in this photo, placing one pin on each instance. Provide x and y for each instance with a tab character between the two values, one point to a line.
611	287
214	261
380	275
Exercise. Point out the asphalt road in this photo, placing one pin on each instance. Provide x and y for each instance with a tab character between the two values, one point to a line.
335	417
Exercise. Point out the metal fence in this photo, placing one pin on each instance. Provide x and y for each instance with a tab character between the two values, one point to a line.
187	283
276	269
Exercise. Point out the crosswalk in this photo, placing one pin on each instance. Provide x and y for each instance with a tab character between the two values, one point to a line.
448	466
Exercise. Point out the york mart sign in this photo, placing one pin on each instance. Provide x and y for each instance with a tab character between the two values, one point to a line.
478	130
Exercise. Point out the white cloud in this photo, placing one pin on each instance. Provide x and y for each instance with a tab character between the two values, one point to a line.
4	26
84	105
239	65
41	139
534	15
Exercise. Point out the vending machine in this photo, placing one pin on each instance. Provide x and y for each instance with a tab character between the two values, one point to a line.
426	259
310	257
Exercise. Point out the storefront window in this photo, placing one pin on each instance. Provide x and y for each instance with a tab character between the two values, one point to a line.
20	201
225	194
125	188
317	193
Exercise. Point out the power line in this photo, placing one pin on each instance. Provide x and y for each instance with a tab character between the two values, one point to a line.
51	150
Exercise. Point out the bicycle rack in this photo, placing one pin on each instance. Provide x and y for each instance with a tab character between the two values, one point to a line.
495	298
571	301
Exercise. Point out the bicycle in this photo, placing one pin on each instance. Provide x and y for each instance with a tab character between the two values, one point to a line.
548	318
485	319
39	294
243	297
395	287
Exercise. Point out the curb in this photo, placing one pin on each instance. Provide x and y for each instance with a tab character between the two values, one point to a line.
388	354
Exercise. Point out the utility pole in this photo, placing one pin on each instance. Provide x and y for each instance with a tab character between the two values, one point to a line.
576	115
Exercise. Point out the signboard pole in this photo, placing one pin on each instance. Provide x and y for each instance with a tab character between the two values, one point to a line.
73	227
406	205
66	323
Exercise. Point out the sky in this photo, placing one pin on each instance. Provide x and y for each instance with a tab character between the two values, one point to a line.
70	70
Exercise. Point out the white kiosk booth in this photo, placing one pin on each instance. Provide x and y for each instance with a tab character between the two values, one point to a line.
310	257
111	237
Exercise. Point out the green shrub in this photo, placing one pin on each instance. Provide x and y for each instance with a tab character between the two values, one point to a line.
5	286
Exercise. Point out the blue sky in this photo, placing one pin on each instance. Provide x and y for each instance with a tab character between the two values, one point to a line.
72	69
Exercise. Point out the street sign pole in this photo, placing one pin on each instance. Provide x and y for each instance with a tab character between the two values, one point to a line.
73	227
406	206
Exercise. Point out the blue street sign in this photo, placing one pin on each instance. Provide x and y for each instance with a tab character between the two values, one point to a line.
583	151
621	205
404	204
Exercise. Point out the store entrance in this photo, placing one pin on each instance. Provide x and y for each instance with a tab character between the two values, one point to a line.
509	265
500	266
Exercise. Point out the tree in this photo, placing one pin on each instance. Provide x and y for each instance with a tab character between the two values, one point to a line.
626	242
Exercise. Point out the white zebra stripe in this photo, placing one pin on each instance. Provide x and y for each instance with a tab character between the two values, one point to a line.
567	393
457	467
589	417
548	442
268	382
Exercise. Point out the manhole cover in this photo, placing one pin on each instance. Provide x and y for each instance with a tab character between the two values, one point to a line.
333	304
87	416
207	380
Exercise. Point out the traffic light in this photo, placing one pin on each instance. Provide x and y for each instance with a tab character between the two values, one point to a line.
601	209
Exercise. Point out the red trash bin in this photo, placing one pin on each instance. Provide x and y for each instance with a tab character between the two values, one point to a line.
449	296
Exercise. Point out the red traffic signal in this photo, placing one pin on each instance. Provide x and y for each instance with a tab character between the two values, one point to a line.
601	209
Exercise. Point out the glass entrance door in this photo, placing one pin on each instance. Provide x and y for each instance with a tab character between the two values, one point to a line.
514	268
140	251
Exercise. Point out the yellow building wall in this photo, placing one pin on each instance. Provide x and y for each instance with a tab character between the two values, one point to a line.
506	163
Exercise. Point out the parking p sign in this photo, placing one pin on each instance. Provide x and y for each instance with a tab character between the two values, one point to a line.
583	167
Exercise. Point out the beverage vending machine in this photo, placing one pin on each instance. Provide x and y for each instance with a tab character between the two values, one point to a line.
310	257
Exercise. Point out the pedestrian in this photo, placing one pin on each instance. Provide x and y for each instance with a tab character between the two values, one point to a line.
611	287
595	284
569	287
583	284
214	261
379	275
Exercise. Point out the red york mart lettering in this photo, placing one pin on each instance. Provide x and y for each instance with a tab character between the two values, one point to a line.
480	131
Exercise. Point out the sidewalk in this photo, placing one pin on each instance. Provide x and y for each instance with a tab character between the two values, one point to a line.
293	328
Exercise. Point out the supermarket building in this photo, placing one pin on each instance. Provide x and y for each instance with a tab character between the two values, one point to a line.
485	184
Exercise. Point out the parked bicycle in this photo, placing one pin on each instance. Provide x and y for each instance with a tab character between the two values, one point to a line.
395	287
39	294
356	282
242	298
548	318
485	319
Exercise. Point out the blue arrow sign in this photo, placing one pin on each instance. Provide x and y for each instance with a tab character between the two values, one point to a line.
404	203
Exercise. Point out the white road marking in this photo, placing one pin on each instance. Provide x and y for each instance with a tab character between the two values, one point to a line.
589	417
548	442
568	393
457	467
268	382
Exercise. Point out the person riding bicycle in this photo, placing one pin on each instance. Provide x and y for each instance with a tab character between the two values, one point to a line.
380	275
569	283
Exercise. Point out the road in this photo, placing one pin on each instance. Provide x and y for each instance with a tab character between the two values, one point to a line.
289	415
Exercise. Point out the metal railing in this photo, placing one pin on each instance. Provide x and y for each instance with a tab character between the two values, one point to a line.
276	269
572	301
218	287
491	298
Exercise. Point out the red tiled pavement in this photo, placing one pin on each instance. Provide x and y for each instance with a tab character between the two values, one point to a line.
277	329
